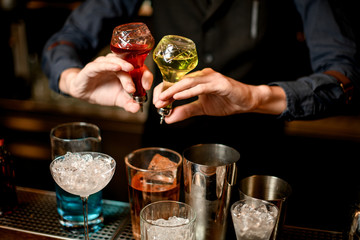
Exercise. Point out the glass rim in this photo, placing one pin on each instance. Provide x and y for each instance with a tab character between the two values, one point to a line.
91	153
171	36
135	24
258	200
193	213
187	151
112	169
76	124
128	164
283	195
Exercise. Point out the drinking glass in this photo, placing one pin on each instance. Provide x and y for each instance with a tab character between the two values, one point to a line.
253	219
154	174
175	57
83	174
133	42
167	220
271	189
76	137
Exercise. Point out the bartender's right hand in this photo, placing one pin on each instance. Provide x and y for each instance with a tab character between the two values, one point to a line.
105	81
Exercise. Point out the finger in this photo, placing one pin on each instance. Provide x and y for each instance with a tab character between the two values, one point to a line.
175	88
156	92
158	102
162	104
132	107
195	74
126	81
191	92
200	73
206	81
183	112
147	78
186	88
126	102
190	80
94	68
112	58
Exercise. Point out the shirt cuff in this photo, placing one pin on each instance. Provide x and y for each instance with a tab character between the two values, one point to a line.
58	59
310	97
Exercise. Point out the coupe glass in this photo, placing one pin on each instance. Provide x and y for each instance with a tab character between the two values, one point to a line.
175	56
133	42
83	174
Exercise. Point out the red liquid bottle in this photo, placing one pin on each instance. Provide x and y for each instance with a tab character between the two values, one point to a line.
133	42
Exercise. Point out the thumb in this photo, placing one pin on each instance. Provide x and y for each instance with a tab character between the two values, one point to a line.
183	112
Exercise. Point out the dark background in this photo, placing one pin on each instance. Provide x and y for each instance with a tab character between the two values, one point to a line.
323	155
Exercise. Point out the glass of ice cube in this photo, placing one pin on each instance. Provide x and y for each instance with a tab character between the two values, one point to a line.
167	220
253	218
154	174
83	174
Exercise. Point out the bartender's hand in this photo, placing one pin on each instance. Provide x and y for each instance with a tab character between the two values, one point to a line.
104	81
218	95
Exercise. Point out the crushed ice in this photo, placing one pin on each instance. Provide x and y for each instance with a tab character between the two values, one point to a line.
174	228
82	174
254	222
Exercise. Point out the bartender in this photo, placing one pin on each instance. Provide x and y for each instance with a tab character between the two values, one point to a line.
295	49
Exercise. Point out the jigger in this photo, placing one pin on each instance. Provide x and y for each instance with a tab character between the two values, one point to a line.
175	57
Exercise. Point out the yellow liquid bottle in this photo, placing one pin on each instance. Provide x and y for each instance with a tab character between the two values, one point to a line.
175	57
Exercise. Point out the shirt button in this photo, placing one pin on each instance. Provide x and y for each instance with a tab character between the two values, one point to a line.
208	58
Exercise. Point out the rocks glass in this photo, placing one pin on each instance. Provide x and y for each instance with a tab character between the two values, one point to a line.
154	174
253	219
167	220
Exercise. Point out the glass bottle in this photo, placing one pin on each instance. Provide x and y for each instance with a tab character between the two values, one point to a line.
175	56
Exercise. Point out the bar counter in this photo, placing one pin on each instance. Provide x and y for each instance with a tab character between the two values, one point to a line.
36	219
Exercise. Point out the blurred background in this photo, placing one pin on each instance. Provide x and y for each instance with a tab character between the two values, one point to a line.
29	109
324	153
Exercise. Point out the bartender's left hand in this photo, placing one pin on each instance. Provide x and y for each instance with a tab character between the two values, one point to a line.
218	95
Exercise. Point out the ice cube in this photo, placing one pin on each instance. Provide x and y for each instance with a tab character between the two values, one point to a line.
159	162
164	178
254	220
172	221
175	228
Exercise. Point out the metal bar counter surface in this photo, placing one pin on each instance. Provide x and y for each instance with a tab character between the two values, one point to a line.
36	218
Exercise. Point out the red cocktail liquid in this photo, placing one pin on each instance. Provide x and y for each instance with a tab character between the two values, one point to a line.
142	193
136	56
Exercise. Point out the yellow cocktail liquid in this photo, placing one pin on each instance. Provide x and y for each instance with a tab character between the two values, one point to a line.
175	57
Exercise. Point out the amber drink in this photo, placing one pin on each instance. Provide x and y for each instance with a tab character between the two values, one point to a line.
154	174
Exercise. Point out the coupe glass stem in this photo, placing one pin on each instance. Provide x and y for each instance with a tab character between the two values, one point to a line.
85	210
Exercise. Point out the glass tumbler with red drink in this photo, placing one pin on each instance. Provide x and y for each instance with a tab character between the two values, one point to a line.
154	174
133	42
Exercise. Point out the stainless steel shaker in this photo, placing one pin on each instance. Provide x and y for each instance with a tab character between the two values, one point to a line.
353	233
209	176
